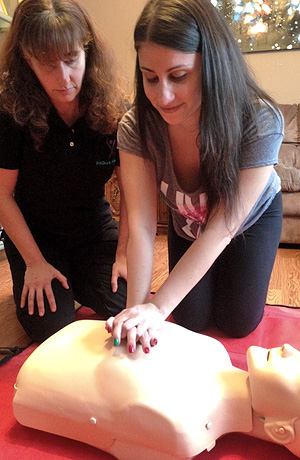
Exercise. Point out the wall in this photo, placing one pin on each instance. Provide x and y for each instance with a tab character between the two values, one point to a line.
278	72
116	19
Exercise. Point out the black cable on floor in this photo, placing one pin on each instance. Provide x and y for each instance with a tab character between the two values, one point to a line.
10	352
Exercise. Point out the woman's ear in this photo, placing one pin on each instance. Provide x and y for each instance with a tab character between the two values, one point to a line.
281	432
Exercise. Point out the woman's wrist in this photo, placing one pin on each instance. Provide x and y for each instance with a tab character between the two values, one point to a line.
164	305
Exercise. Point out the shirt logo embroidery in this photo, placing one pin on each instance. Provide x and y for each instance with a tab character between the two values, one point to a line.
106	163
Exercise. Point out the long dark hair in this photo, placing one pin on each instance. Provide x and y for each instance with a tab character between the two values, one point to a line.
229	92
50	30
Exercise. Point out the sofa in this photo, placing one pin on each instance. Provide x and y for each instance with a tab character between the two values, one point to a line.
288	169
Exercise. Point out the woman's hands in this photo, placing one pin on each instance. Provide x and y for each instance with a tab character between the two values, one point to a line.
119	270
37	281
139	324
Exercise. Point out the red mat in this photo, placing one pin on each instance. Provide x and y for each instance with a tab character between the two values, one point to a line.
280	325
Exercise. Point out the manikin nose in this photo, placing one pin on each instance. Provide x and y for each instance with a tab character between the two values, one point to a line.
288	351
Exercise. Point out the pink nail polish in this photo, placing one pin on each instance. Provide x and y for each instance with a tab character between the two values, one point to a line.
146	350
131	349
155	341
108	330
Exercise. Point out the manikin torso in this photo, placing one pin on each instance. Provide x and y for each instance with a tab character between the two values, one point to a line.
171	404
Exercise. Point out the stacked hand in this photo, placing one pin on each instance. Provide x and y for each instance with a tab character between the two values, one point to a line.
139	324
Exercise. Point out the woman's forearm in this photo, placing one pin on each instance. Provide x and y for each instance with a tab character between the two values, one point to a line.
123	232
123	222
140	266
189	270
15	226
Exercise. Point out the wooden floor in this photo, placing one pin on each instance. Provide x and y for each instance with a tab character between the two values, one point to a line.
11	332
284	288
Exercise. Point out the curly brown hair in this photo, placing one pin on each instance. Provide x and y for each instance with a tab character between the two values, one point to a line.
51	30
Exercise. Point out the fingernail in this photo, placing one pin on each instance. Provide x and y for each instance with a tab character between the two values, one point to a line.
146	350
108	329
116	342
131	349
155	341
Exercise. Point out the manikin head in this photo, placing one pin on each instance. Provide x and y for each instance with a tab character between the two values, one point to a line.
274	377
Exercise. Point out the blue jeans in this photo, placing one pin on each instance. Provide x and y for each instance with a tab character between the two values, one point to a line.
232	294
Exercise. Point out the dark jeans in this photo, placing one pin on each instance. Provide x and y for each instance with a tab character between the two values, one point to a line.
233	292
88	270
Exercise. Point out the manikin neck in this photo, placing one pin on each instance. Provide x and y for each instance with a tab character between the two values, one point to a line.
237	401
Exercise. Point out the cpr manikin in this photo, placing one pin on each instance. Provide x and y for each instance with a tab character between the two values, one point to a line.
170	404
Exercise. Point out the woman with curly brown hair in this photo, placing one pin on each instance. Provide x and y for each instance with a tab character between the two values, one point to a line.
60	105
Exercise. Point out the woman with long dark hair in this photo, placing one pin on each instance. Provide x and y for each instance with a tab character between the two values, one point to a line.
204	134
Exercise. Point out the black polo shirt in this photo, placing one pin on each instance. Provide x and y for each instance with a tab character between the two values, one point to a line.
61	189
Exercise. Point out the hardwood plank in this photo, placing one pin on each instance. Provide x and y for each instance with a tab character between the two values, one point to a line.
160	262
11	332
284	287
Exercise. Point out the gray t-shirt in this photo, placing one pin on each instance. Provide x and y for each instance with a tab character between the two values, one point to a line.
189	209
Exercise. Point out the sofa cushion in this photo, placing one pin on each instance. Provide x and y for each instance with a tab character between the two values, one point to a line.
291	122
291	205
290	178
289	155
290	233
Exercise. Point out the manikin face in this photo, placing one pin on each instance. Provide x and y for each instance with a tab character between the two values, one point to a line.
61	79
172	83
274	377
